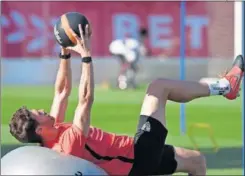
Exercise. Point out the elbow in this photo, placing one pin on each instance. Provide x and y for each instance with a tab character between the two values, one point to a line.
67	90
64	94
88	100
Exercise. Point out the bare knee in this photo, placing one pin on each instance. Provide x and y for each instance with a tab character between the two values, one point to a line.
190	161
160	88
200	165
156	85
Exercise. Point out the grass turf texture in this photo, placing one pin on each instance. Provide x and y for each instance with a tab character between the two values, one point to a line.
118	111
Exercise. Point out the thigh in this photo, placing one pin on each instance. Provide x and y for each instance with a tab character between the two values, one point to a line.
154	103
148	146
177	159
188	160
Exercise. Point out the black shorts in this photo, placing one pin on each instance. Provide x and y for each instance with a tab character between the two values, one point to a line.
151	155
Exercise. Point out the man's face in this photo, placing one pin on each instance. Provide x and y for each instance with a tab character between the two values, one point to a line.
45	126
43	118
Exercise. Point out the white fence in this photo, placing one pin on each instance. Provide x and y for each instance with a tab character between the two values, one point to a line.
43	71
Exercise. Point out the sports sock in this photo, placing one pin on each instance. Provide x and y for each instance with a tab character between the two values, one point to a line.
217	87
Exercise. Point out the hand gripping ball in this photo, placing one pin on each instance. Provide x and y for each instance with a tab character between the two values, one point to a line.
69	20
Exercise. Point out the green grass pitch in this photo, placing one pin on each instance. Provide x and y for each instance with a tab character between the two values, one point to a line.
118	111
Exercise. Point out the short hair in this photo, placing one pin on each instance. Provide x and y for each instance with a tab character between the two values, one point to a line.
23	127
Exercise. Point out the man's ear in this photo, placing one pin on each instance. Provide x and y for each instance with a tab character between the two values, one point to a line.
39	130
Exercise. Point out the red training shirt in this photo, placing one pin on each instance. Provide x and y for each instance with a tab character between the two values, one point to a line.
113	153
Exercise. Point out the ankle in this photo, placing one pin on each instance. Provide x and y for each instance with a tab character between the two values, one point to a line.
217	86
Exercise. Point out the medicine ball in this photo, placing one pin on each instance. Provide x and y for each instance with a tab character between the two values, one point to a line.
69	20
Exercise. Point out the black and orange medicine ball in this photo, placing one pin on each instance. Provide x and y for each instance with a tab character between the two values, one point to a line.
69	20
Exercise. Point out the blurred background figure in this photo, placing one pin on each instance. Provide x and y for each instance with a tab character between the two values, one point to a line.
129	51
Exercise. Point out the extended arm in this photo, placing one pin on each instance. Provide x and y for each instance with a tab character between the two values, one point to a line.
62	89
86	97
86	86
